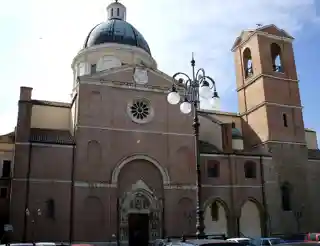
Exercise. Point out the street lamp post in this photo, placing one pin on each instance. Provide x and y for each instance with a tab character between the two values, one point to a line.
192	88
33	216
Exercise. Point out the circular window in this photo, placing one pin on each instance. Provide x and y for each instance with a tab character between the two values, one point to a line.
140	111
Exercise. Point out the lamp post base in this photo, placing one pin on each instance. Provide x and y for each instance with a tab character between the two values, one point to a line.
200	224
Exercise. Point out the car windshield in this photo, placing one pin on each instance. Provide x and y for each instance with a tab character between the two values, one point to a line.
244	241
276	241
300	244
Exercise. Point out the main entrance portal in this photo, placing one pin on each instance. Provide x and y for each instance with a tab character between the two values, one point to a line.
138	229
140	217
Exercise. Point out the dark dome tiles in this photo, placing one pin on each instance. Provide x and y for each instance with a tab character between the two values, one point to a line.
116	31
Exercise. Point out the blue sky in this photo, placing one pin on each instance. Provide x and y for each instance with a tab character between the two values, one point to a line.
41	37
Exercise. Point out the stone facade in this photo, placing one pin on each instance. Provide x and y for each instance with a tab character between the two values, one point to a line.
81	169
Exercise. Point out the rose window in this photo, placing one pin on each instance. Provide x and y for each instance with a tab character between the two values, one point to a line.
140	111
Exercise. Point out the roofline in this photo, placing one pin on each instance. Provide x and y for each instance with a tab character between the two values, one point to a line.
209	111
259	32
51	103
213	120
273	25
309	130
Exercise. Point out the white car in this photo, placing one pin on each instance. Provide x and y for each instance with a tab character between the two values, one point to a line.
31	244
243	240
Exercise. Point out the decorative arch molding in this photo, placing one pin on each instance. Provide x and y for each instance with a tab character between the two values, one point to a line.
262	218
219	221
256	202
116	171
140	200
221	202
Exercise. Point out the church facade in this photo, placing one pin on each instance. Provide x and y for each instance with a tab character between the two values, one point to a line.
119	155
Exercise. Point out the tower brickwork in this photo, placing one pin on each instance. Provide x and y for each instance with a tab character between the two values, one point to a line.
271	112
267	85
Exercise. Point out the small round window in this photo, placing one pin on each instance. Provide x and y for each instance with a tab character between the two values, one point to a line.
140	111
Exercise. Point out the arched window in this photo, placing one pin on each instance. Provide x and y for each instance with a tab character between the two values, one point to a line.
286	196
50	211
250	170
285	120
276	58
94	153
215	211
247	63
213	168
93	69
81	69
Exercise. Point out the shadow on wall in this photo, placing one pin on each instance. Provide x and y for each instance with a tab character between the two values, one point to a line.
210	131
251	138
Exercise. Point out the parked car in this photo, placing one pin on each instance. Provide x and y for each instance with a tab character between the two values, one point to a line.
242	240
31	244
268	241
309	243
160	242
312	237
203	242
295	237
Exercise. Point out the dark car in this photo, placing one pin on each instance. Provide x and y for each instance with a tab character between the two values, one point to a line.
203	242
310	243
268	241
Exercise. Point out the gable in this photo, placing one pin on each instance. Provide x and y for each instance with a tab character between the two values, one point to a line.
268	29
125	76
274	30
243	36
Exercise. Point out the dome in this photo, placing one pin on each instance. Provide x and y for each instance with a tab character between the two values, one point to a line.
236	134
116	31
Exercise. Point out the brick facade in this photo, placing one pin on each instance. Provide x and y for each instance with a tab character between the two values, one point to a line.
104	162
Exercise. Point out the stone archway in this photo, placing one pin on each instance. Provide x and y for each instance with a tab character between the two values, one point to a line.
129	159
140	181
216	217
140	200
250	220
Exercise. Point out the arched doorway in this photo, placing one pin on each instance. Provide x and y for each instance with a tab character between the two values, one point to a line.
215	218
140	211
140	182
250	220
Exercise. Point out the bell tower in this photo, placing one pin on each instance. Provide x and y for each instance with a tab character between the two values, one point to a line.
271	111
267	86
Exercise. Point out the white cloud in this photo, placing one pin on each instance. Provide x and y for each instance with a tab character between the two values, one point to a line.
49	33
